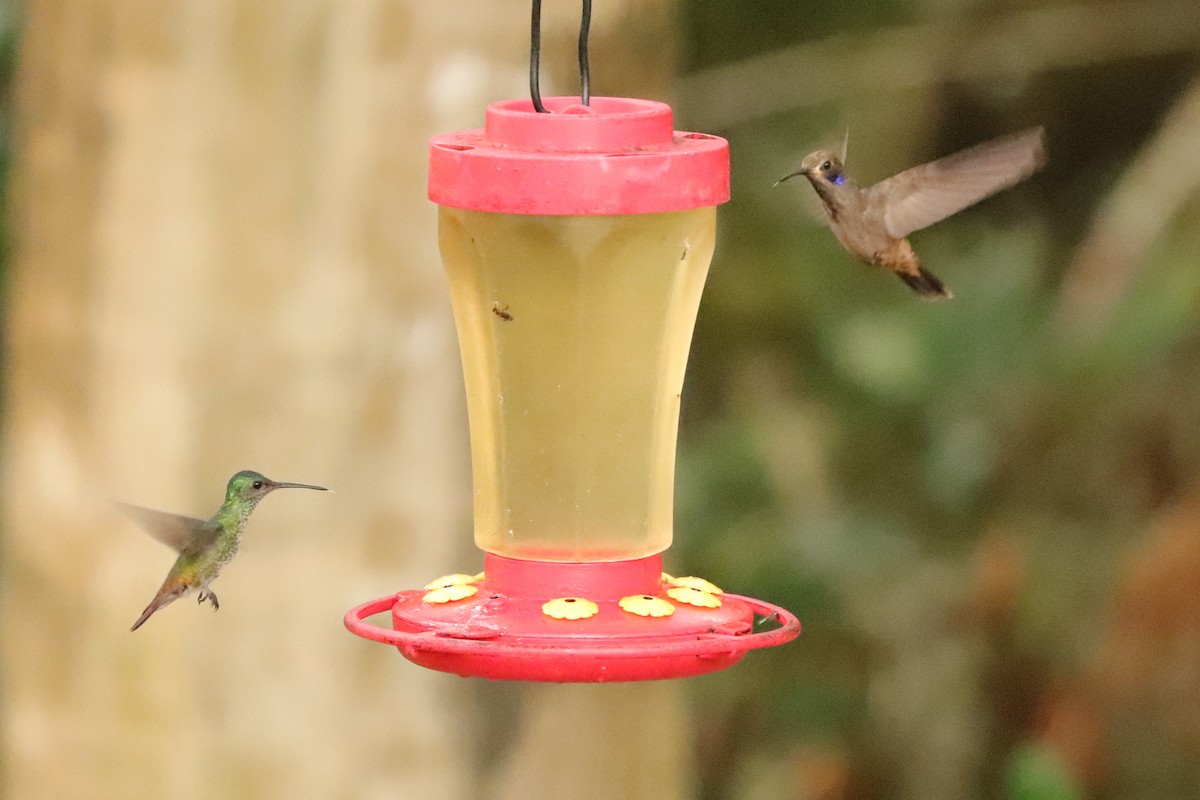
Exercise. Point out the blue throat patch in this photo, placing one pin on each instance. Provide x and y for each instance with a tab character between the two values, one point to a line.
839	179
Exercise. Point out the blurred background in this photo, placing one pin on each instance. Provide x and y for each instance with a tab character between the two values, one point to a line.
218	255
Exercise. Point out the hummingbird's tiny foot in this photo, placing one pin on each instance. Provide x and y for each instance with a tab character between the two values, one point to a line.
210	596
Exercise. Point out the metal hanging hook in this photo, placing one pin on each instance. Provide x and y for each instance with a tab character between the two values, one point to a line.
585	23
535	51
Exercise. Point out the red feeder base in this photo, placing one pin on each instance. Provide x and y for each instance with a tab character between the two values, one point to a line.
506	631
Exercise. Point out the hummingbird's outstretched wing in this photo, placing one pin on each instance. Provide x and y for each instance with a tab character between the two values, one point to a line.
174	530
923	195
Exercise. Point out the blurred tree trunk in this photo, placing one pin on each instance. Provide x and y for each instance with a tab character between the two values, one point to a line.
224	259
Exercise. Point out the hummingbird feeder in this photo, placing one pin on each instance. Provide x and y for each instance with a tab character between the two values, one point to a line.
576	240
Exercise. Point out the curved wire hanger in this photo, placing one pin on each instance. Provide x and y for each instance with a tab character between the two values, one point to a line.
535	52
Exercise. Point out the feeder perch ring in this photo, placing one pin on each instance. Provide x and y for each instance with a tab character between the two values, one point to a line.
495	653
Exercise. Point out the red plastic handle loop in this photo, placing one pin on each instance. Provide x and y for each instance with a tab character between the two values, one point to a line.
704	644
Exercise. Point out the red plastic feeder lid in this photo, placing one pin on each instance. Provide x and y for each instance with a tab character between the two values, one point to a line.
617	156
583	622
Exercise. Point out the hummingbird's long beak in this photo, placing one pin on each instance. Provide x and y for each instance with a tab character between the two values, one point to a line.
299	486
789	175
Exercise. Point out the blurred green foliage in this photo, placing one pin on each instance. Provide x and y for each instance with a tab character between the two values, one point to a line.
847	450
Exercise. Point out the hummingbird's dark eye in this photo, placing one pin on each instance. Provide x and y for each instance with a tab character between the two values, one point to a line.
258	484
828	165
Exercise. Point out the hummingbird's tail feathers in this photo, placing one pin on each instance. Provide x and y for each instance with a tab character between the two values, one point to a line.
170	592
926	284
150	609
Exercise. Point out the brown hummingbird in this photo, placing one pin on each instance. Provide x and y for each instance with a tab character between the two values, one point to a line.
872	223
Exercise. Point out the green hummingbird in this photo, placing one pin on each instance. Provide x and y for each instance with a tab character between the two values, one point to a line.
205	546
